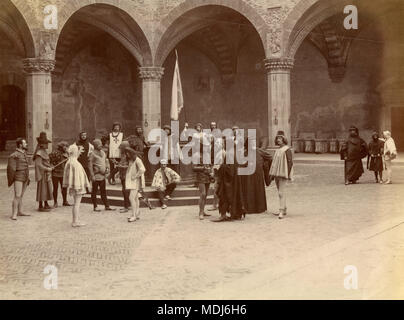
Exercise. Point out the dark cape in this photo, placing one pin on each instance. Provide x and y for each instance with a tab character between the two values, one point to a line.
353	153
230	191
253	186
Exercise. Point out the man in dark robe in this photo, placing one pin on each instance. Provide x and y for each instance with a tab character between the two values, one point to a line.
352	152
230	193
253	186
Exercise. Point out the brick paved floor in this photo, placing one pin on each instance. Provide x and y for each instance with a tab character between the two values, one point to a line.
170	254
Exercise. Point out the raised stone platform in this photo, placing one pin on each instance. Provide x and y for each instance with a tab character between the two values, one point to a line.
182	196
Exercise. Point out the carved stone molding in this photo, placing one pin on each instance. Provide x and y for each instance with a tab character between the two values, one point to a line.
151	73
33	65
284	64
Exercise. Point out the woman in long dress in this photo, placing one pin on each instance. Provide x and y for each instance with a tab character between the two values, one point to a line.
281	170
135	181
76	181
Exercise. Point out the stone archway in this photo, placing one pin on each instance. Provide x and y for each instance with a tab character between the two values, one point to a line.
100	47
167	34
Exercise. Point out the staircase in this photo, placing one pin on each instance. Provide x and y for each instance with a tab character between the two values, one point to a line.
182	196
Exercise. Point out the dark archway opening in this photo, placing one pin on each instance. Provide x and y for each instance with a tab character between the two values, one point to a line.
12	114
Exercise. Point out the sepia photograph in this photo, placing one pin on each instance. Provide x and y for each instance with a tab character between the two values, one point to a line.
201	150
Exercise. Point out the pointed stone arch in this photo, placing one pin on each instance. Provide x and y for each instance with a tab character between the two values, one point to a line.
167	35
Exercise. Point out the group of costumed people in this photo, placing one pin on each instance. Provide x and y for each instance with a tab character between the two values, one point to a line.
84	167
380	152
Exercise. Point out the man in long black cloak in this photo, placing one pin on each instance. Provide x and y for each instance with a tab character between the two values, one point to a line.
353	151
253	186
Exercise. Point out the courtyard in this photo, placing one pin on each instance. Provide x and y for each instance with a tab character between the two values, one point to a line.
170	254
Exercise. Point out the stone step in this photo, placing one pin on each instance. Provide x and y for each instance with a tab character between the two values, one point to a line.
151	193
182	196
175	202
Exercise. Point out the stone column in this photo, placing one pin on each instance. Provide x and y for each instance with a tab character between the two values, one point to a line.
151	97
38	99
278	75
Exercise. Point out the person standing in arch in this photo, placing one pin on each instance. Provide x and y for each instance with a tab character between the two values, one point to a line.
115	140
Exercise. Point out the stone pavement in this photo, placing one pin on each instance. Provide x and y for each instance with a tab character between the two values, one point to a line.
170	254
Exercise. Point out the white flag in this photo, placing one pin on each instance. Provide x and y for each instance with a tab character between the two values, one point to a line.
177	99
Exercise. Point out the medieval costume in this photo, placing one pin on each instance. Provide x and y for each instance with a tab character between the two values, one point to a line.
135	181
18	174
99	168
170	150
389	154
204	176
76	181
123	168
74	176
138	143
58	159
165	181
230	193
353	151
87	149
115	140
253	186
281	170
375	160
43	171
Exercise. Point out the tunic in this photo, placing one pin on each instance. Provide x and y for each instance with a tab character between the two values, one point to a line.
282	163
98	165
115	141
74	176
57	157
203	173
44	191
17	167
375	155
136	168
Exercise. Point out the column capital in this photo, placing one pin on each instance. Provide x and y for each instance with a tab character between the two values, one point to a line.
37	65
151	73
284	64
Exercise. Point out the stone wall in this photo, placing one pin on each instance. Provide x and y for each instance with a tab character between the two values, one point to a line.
100	86
327	109
207	98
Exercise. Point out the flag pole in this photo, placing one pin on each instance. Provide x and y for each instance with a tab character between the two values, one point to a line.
185	111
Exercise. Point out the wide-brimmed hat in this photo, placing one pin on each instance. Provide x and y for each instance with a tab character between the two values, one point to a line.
43	139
